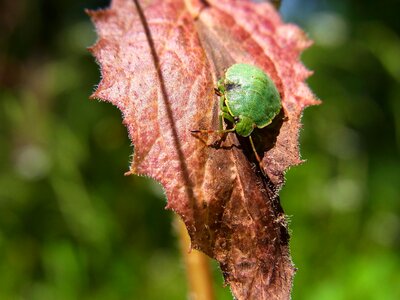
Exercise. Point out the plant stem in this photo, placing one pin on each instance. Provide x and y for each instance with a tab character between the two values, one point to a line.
197	267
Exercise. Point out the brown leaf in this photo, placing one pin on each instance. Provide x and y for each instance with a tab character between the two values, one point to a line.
160	60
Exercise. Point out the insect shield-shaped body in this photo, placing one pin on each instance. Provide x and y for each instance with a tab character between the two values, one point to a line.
250	96
249	99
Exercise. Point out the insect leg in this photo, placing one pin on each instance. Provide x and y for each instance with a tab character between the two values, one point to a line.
212	131
225	115
221	121
257	156
254	150
217	92
222	105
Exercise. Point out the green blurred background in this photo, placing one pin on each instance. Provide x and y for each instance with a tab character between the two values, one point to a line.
73	227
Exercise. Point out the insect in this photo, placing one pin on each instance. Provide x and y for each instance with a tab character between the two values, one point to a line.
248	99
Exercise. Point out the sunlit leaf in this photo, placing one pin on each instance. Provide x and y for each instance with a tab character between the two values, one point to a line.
160	61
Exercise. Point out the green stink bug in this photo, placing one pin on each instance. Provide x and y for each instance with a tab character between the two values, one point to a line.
248	99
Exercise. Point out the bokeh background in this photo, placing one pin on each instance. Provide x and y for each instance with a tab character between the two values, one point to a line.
73	227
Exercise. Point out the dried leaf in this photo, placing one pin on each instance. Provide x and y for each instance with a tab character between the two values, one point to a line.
160	60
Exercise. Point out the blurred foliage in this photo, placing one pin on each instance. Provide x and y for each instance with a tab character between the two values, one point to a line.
73	227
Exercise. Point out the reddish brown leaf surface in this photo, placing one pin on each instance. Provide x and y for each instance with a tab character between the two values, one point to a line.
160	60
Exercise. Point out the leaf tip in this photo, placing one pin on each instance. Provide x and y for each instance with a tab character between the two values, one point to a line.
128	173
94	95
